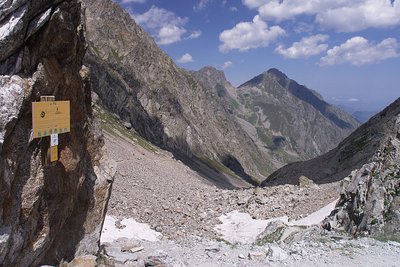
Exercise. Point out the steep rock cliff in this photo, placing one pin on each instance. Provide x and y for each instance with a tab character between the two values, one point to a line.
370	199
48	212
137	81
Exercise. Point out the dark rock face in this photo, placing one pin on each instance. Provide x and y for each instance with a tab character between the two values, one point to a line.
370	200
164	103
353	152
48	212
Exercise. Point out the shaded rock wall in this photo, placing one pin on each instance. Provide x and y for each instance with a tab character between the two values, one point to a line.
48	212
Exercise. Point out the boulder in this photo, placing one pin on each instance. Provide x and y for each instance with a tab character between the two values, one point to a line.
305	182
48	212
370	200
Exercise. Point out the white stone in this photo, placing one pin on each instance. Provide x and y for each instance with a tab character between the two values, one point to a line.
275	253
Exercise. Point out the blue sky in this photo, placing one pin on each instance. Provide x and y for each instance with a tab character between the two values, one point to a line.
349	51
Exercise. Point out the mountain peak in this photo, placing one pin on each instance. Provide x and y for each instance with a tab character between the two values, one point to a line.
277	73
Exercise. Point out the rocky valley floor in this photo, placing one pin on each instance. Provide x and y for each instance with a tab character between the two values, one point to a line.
183	209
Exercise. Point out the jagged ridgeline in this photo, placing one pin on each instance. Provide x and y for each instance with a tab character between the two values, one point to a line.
246	133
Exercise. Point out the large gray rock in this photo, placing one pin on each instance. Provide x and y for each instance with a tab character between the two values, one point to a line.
370	199
48	212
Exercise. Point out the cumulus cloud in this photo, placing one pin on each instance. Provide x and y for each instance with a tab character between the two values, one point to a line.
254	3
194	35
186	58
164	25
227	65
359	16
201	5
341	15
170	34
249	35
359	51
306	47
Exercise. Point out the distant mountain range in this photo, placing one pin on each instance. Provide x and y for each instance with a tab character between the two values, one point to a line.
245	132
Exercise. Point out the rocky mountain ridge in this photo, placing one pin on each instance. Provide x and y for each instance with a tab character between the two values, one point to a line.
292	118
137	81
48	212
287	121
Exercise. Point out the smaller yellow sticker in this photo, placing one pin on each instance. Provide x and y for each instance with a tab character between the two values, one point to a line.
53	153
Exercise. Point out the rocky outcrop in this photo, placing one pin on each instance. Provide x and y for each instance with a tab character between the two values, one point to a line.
48	212
353	152
370	199
137	81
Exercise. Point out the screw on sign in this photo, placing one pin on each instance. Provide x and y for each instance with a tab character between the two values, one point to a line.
50	118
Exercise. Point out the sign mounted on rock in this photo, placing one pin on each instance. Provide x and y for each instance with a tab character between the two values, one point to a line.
51	117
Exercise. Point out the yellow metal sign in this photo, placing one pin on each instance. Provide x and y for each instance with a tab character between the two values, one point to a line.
53	153
50	118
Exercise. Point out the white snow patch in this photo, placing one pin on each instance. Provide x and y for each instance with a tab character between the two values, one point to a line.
238	227
315	217
132	230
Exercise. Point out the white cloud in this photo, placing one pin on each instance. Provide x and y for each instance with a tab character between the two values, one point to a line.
254	3
170	34
186	58
308	46
163	24
361	15
249	35
227	64
194	35
340	99
133	1
201	5
341	15
233	9
359	51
